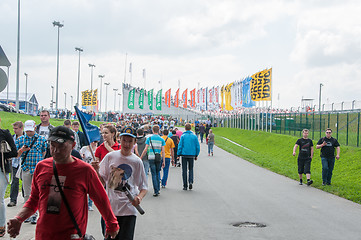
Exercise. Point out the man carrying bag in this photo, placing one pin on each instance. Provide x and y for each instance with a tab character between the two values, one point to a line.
77	179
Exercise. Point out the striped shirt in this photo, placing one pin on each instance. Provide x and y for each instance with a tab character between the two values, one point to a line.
157	143
36	152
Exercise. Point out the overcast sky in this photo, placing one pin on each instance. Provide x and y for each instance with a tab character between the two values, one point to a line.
210	42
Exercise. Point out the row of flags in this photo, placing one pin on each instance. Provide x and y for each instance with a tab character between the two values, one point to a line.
238	94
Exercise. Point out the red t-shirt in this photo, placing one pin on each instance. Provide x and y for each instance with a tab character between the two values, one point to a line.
101	151
78	179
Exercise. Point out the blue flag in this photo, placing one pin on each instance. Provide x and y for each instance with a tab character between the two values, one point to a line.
91	132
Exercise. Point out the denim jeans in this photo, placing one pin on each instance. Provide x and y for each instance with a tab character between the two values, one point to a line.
210	147
187	164
165	171
14	191
3	185
201	134
155	170
327	168
146	167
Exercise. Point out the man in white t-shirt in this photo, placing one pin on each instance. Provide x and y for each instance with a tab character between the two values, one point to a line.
120	169
44	128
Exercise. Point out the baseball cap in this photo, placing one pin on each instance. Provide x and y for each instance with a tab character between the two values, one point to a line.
29	125
127	134
61	134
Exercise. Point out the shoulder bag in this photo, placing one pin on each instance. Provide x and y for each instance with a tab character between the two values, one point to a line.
86	236
157	157
18	173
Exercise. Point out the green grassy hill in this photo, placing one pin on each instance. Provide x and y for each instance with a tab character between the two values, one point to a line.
274	152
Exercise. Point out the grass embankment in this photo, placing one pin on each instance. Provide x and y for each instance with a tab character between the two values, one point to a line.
8	118
274	152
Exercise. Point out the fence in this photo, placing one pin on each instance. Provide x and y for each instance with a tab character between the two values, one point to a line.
345	124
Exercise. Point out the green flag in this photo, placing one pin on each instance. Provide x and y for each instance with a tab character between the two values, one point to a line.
131	99
158	100
150	99
141	99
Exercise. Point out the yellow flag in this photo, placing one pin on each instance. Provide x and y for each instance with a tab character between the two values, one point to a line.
261	84
228	97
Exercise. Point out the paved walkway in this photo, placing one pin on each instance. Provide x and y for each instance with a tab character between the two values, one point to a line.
228	190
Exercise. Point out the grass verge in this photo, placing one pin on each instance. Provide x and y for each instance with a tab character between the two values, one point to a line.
274	152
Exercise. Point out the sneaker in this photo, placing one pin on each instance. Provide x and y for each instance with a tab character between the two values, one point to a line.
27	220
155	194
300	183
33	220
309	182
163	186
11	204
212	153
185	188
90	208
190	186
323	184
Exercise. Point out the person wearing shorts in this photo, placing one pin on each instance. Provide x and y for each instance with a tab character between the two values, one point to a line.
305	156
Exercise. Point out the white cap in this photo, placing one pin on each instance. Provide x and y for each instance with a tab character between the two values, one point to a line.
29	125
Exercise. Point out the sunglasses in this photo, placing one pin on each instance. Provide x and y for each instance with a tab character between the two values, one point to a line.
329	132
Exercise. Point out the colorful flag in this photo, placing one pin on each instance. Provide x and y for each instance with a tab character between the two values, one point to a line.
184	98
91	132
150	99
228	97
131	99
193	98
141	99
246	94
158	100
261	85
222	97
176	98
167	97
216	94
210	95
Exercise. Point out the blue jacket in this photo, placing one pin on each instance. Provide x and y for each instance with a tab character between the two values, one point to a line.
188	145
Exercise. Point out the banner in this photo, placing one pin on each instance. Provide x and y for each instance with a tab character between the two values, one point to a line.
176	98
91	132
131	99
141	99
246	94
184	98
228	97
158	100
167	98
210	95
94	97
193	98
222	97
150	99
261	85
89	98
216	94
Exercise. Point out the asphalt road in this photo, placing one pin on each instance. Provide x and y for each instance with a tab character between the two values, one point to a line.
228	190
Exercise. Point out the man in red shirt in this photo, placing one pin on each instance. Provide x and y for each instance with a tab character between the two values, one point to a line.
77	179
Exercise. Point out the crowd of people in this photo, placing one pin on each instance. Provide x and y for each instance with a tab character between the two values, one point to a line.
62	176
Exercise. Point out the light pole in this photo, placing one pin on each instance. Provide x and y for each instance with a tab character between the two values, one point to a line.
18	61
71	101
106	95
64	100
52	97
319	99
101	88
91	76
26	92
59	25
77	92
115	96
119	94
